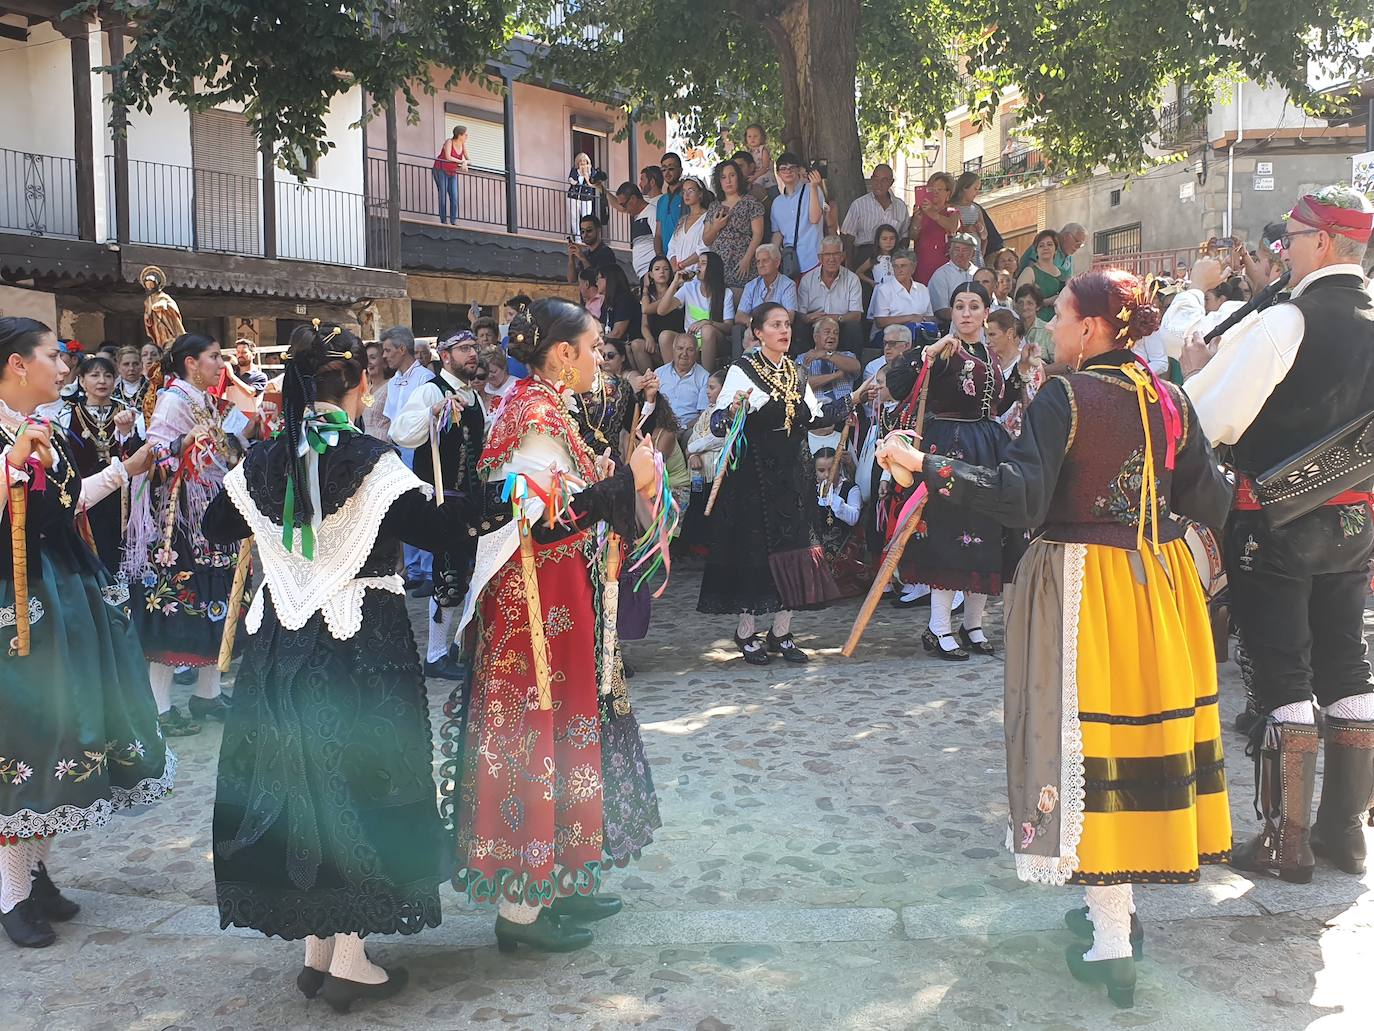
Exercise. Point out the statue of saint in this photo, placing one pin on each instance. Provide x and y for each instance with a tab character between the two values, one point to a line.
161	316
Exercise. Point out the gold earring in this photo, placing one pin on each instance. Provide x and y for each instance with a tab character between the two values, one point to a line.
368	399
568	377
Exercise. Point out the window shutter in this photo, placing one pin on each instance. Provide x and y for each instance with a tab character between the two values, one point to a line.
486	141
225	156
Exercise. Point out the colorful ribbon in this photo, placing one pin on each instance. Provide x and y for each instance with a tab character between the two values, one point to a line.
735	443
653	548
319	432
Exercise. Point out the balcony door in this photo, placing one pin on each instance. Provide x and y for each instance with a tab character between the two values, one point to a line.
225	184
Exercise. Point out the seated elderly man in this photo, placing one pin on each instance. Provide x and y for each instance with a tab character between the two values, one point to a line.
769	285
830	291
899	300
896	341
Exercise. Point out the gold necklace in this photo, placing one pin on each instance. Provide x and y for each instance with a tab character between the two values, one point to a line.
63	495
97	429
782	383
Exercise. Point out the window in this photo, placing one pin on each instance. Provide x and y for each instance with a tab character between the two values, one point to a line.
973	153
310	165
1116	199
1121	240
486	138
224	153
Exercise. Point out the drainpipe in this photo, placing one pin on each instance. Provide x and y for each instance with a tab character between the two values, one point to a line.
1231	158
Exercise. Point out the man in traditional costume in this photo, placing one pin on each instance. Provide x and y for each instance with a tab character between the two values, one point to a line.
1291	390
444	423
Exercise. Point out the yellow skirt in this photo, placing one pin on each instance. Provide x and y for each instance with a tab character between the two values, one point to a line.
1140	795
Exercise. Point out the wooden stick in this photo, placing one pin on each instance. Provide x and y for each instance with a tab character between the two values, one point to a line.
715	489
891	557
436	461
19	544
231	616
538	643
610	608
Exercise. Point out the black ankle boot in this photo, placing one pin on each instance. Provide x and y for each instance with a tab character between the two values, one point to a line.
1287	771
1076	920
586	908
342	994
1347	790
1117	975
51	902
546	934
27	927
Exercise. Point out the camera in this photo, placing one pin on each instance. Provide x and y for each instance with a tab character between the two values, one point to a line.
820	165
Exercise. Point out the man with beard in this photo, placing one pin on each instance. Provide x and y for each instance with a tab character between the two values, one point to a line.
444	422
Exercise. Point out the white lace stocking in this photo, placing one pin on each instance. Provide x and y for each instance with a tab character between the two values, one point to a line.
440	633
350	961
16	875
782	623
1109	909
747	625
207	682
39	854
160	677
319	952
974	604
517	912
1356	707
1295	712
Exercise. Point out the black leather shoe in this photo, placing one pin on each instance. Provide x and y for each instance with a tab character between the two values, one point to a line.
1116	975
931	643
1076	920
976	647
786	647
27	927
174	724
546	934
755	652
341	994
51	902
216	708
185	677
586	908
310	981
897	601
444	669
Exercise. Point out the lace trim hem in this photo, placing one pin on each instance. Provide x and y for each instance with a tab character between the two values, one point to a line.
67	819
365	909
1152	876
517	886
1059	870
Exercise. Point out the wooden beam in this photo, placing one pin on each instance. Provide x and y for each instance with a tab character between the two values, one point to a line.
121	144
14	32
84	127
393	189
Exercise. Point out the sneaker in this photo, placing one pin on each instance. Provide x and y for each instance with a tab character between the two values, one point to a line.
174	724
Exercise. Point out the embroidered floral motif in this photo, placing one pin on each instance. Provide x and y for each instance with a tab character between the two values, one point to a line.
966	383
1354	518
14	771
583	731
968	540
35	613
559	620
1122	501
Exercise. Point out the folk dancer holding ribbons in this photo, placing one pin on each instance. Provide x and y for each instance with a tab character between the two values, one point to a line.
79	737
1114	761
444	424
545	779
1290	390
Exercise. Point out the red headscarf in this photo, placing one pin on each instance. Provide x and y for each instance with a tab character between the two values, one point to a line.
1349	222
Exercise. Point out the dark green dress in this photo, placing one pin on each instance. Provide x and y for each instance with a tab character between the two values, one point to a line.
326	818
79	737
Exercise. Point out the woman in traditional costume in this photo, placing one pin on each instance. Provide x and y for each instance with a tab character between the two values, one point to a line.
958	550
764	554
132	386
1114	761
325	825
180	581
78	731
546	780
102	430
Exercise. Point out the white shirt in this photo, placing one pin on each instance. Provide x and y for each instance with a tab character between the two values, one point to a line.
687	240
891	298
738	381
865	215
945	279
843	296
686	394
411	427
642	247
1252	359
399	388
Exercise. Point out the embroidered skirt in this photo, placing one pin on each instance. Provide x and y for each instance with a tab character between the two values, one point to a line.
530	796
79	737
180	608
958	549
1114	760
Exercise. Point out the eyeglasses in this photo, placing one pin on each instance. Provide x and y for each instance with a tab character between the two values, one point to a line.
1287	238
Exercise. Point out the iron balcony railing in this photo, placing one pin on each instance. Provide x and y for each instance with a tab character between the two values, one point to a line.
1172	263
542	206
1018	167
208	210
37	194
1177	126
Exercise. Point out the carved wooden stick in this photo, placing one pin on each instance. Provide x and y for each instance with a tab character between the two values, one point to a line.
19	544
231	616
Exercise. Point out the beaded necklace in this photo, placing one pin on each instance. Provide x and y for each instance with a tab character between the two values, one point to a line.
64	496
782	383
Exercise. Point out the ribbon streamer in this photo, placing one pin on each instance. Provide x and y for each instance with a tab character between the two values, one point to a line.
728	458
517	490
319	432
653	547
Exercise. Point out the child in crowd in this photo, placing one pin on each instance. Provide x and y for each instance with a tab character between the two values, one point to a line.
879	267
756	140
839	505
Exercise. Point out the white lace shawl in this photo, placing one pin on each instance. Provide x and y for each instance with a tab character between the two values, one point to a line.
329	583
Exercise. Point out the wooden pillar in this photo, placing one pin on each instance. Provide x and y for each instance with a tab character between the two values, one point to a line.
84	121
512	192
633	175
121	144
393	190
269	199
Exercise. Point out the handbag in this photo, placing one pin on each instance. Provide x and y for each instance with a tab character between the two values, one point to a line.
1342	460
791	264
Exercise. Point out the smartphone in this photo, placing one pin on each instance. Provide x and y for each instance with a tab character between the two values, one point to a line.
922	197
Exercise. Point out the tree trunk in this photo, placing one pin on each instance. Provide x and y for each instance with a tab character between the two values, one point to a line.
817	46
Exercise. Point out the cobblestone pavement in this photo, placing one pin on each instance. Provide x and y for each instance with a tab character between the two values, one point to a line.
831	858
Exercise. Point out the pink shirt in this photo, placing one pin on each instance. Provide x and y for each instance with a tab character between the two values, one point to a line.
932	246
